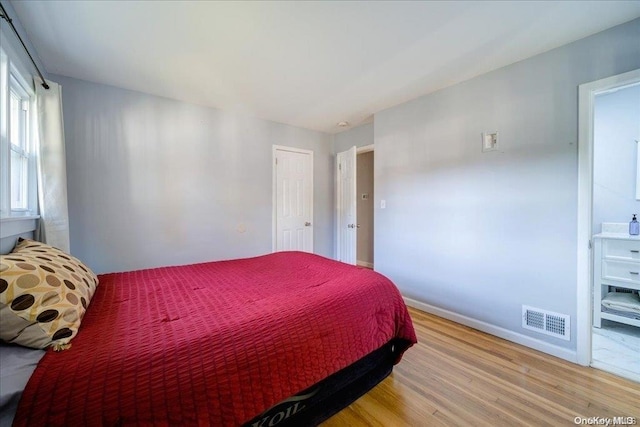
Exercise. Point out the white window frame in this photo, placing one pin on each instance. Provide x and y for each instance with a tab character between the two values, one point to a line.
13	80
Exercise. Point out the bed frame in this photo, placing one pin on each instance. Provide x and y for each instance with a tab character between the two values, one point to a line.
319	402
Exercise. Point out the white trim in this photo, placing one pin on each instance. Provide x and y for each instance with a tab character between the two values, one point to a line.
336	210
292	149
26	94
634	376
274	187
543	346
364	264
365	149
24	73
5	177
14	77
13	226
586	97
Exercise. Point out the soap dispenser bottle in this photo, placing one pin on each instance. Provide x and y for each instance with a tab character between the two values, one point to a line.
634	226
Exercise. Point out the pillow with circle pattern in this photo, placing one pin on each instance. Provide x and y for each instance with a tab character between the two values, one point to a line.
44	294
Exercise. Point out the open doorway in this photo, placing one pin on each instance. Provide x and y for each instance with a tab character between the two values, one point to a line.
616	317
364	211
608	257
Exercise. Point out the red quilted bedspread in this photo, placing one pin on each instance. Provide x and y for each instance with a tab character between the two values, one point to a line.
213	344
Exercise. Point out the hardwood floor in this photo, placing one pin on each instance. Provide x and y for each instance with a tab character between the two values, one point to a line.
458	376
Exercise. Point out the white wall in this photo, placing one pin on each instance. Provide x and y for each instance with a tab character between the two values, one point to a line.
156	182
616	129
480	234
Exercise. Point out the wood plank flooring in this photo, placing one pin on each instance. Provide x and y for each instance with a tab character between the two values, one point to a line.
458	376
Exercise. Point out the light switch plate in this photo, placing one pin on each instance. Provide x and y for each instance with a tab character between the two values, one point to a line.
489	141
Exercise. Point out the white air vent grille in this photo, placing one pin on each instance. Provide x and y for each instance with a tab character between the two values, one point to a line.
546	322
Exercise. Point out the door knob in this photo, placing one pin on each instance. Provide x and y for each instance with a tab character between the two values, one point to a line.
307	224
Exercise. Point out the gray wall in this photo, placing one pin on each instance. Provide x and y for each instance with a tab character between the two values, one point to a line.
13	41
477	233
358	136
156	182
364	207
616	128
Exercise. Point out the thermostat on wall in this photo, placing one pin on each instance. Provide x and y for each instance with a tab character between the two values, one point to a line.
489	141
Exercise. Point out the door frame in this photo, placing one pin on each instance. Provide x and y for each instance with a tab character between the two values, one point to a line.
361	150
586	101
338	203
274	193
365	149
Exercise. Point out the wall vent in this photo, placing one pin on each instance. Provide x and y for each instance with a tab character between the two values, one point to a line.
546	322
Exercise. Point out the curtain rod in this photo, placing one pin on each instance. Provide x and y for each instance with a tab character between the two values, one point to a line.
5	16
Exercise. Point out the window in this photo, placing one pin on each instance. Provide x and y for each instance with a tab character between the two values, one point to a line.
19	146
17	160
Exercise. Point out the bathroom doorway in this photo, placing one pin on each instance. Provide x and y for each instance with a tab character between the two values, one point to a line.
615	338
607	187
365	207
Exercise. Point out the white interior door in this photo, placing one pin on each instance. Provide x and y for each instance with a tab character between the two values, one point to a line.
346	205
293	199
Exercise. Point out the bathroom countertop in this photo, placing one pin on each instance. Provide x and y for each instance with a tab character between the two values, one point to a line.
620	236
615	230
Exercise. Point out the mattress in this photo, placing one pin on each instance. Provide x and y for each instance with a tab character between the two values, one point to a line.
312	406
215	343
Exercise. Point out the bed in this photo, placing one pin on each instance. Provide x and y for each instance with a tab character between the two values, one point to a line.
288	338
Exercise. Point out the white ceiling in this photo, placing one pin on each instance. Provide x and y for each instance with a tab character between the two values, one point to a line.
307	64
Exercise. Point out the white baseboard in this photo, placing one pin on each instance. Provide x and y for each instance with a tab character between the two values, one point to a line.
364	264
616	370
545	347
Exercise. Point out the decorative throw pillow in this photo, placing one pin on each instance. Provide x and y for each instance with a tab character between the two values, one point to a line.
44	294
